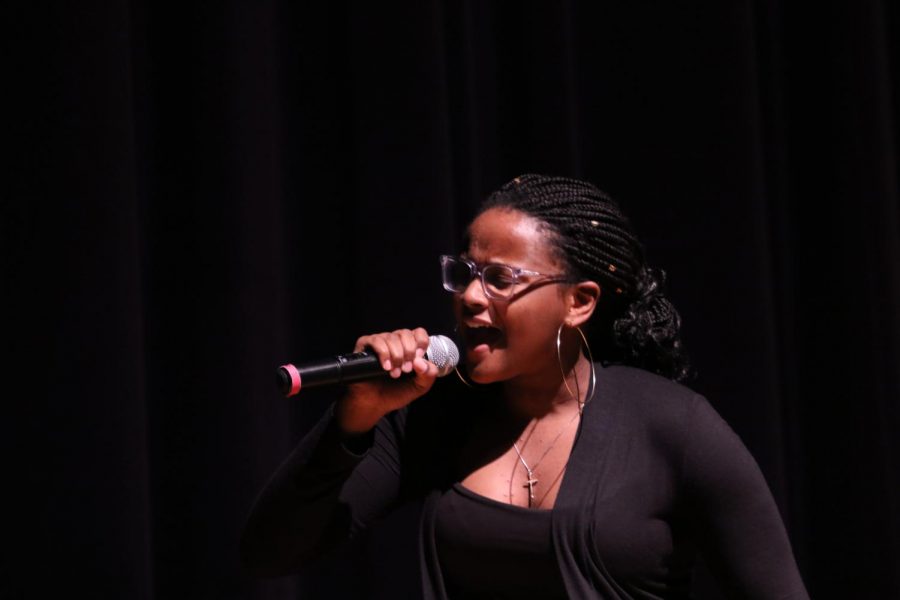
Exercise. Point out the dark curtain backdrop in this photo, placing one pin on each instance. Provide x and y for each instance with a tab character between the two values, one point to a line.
198	192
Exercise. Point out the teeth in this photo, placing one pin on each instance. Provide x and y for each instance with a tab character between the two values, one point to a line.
483	331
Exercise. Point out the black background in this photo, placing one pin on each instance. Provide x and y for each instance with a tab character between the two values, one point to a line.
198	192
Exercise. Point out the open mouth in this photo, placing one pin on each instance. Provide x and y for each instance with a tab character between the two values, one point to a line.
481	336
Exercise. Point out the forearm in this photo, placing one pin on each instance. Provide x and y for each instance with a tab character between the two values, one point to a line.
346	471
299	514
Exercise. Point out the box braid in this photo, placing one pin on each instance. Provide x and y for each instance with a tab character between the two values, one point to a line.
634	322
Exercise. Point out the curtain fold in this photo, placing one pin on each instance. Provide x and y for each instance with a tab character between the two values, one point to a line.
199	194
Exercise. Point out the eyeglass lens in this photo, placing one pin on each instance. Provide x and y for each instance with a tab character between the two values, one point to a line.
457	274
497	280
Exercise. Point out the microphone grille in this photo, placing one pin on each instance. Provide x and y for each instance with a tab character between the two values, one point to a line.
443	353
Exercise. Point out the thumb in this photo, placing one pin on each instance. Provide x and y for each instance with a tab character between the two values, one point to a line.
425	374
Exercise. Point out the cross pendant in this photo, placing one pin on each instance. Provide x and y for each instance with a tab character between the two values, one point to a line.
530	483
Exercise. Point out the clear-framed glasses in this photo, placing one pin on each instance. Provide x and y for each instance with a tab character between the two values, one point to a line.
499	282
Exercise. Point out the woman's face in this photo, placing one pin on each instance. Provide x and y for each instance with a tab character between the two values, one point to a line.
515	338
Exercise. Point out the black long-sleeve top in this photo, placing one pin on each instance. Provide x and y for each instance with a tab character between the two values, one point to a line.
655	476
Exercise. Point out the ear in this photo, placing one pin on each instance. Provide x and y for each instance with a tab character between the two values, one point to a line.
583	298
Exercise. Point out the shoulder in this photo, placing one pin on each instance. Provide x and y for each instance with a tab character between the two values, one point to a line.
654	406
643	392
636	380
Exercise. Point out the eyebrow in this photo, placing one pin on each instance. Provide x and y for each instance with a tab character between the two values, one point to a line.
493	262
467	256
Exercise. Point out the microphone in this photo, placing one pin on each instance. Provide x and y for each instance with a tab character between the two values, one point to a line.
358	366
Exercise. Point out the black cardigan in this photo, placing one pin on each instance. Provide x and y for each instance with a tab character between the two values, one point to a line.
655	475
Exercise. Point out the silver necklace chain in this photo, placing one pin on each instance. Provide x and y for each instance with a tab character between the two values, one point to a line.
529	471
531	482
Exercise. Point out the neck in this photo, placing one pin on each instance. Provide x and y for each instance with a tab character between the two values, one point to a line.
538	396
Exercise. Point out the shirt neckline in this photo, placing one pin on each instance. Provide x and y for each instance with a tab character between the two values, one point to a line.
459	487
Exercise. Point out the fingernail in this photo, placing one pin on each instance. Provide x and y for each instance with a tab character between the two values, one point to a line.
407	367
395	373
387	365
420	352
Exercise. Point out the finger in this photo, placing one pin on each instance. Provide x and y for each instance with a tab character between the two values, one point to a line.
410	346
423	366
432	370
395	346
422	341
379	346
425	379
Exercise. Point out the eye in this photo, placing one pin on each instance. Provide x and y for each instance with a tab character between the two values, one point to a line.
499	277
460	273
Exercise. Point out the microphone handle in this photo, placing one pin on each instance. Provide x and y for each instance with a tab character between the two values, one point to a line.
345	368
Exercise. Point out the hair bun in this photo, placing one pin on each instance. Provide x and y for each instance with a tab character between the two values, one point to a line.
649	330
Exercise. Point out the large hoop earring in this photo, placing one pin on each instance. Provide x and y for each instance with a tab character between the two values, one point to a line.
587	347
456	367
461	378
593	369
577	394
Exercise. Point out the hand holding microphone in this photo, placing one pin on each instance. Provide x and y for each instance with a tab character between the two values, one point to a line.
376	365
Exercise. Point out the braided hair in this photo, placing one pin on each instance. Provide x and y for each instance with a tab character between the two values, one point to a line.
634	322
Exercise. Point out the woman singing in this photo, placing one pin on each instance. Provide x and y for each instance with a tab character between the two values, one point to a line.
568	462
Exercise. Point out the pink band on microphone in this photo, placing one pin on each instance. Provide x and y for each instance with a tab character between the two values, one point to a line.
295	378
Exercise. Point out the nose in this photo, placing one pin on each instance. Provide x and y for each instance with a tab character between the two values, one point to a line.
473	298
